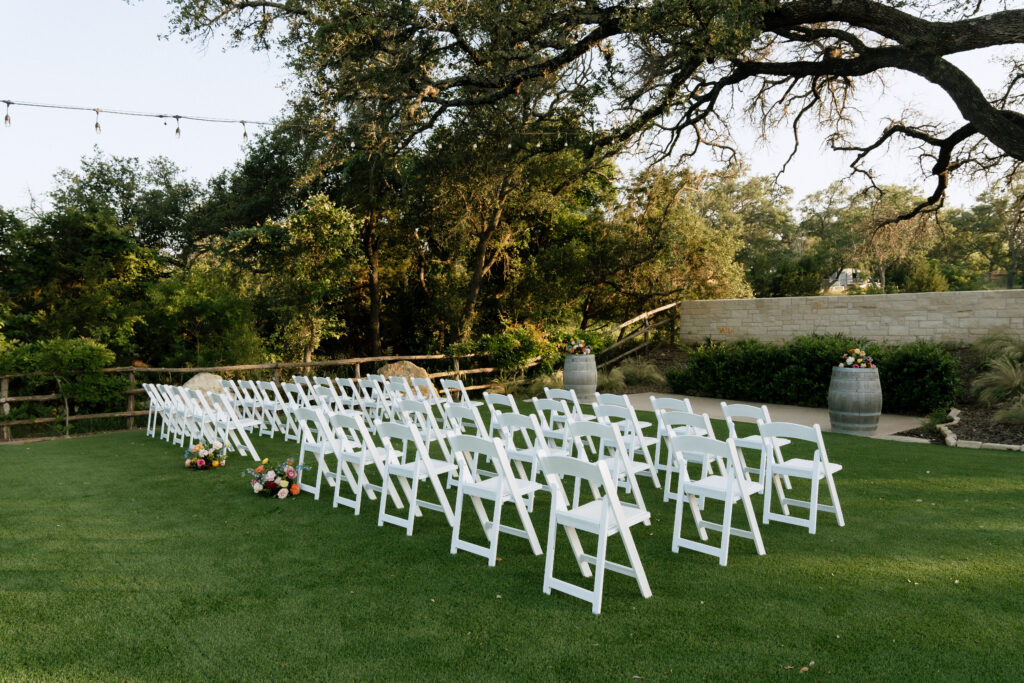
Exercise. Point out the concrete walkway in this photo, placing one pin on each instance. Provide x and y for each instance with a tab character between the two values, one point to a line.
887	424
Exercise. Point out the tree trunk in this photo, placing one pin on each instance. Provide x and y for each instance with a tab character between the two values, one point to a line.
373	275
480	265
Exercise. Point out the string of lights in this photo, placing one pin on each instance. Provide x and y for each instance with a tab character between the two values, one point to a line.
178	118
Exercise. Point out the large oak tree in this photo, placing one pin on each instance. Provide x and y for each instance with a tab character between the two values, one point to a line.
673	71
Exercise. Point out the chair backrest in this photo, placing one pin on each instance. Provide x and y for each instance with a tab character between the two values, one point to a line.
467	450
326	398
667	404
553	416
732	411
400	441
610	399
464	419
353	435
789	430
322	381
424	388
566	395
419	415
683	423
498	403
292	396
269	393
313	427
702	450
521	434
450	386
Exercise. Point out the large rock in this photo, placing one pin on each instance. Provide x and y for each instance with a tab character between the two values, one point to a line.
205	381
403	368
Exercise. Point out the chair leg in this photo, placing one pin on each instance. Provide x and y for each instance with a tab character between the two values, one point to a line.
834	495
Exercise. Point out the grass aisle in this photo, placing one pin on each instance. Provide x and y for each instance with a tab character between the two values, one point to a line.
116	563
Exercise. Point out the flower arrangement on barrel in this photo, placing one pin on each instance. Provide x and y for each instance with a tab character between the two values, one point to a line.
856	358
577	347
280	482
199	457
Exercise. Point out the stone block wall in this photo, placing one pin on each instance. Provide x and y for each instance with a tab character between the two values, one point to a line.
933	316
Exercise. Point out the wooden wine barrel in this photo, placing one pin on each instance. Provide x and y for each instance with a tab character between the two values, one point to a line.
854	400
580	373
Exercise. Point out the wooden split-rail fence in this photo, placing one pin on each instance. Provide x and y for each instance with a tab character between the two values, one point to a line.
136	376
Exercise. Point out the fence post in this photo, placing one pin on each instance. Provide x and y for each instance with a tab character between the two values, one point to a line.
455	368
5	409
131	399
277	376
359	374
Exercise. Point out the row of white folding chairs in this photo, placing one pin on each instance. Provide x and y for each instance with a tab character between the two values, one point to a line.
178	414
404	463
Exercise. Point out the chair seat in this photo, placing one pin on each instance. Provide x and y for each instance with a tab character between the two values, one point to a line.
714	487
756	442
587	517
430	465
487	488
798	467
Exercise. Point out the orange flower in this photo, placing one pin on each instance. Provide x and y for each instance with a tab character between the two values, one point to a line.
259	470
294	490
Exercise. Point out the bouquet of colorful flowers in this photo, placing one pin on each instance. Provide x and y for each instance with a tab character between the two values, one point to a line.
280	481
856	358
577	347
199	457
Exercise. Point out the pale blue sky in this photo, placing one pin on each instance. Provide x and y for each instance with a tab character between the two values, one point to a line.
106	54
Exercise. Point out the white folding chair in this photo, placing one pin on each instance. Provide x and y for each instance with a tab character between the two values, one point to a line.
455	391
571	400
731	487
553	416
500	488
523	441
235	429
305	389
348	394
420	417
155	410
316	438
732	411
676	423
496	405
406	457
660	406
617	400
376	401
293	400
816	468
460	418
250	404
272	406
424	390
624	419
356	450
603	515
607	447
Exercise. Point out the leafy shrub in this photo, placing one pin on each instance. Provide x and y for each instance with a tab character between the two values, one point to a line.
71	368
916	378
515	348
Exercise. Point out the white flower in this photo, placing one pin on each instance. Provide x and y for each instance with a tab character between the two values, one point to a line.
203	453
849	360
217	445
257	487
270	476
282	493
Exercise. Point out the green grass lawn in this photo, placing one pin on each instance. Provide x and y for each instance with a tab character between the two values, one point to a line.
116	563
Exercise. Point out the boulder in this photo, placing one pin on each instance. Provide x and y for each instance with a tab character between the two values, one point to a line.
403	368
205	381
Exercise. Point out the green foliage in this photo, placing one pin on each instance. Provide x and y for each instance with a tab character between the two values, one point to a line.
70	368
1003	380
916	378
611	381
637	371
517	347
998	344
1011	413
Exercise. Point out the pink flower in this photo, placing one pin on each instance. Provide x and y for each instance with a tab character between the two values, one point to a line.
270	476
290	473
200	463
282	494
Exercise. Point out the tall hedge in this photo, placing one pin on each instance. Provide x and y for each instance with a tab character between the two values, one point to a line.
916	378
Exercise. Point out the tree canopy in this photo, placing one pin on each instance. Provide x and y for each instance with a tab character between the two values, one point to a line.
671	74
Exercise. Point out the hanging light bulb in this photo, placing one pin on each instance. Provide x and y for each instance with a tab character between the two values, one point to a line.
177	129
510	145
7	114
97	126
352	145
245	133
474	145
